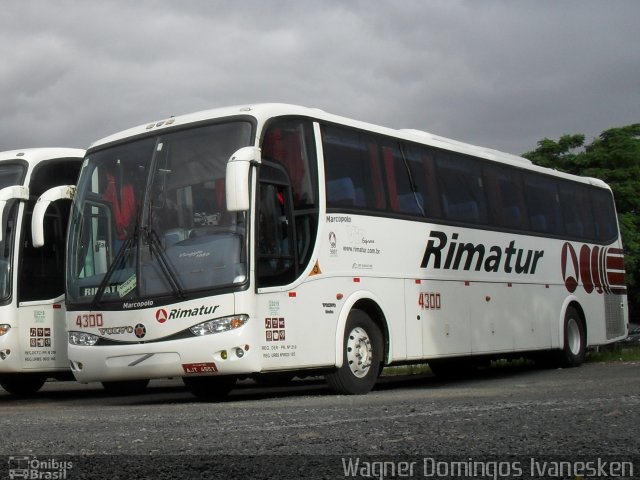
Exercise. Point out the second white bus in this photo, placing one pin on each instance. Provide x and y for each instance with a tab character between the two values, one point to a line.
33	337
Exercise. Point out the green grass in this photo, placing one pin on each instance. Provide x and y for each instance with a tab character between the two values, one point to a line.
406	370
614	353
608	353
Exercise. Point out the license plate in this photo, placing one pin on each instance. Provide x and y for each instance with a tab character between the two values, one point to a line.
208	367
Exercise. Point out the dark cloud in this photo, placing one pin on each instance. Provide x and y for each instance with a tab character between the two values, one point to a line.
496	73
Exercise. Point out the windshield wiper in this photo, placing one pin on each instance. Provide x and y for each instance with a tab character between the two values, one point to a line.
130	240
166	266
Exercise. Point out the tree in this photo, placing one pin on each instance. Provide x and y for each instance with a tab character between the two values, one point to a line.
614	156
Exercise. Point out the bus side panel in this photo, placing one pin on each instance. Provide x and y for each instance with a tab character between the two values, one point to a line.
533	310
443	310
43	338
420	303
492	317
297	328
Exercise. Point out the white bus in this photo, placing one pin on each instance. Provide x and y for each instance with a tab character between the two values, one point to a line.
276	238
33	338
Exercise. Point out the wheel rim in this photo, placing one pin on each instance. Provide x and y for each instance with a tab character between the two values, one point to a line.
573	336
359	352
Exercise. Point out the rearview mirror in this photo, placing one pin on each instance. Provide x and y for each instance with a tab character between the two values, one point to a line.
237	178
9	193
37	218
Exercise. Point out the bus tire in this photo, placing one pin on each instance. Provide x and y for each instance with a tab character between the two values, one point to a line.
362	356
453	368
210	388
126	387
22	383
575	340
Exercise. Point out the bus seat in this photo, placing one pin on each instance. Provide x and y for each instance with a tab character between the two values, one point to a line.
511	216
341	191
463	211
407	203
173	236
575	229
539	223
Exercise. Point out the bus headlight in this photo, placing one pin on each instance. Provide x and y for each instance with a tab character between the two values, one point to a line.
218	325
81	338
4	328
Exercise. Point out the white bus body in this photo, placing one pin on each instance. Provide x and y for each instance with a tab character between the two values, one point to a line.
331	246
33	338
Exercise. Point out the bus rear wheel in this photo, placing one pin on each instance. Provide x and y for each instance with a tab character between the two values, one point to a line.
574	348
22	383
210	388
362	356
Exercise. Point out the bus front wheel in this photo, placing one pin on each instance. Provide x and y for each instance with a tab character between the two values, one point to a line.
126	387
210	388
574	348
362	356
22	383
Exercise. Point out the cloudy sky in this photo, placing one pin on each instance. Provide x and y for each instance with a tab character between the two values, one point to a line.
498	73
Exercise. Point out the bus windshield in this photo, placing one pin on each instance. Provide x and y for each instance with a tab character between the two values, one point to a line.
10	174
150	219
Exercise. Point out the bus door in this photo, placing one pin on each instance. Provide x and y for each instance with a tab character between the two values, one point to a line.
41	271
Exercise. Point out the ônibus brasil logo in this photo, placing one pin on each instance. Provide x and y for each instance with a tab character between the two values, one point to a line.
598	269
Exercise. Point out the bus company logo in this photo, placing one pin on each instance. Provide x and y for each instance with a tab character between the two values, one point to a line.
140	330
447	253
161	315
600	269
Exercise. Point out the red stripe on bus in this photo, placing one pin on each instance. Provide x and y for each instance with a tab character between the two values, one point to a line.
615	279
615	263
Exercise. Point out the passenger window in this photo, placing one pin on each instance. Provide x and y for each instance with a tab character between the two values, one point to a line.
542	204
577	216
461	188
422	165
604	211
352	170
401	180
506	199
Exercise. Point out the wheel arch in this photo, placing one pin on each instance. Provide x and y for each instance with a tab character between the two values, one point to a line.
368	303
572	302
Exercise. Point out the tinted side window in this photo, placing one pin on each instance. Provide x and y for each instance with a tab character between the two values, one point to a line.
505	196
461	188
352	170
604	212
290	143
401	181
576	211
541	194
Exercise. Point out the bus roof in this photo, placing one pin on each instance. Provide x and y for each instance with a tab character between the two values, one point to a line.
264	111
35	155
